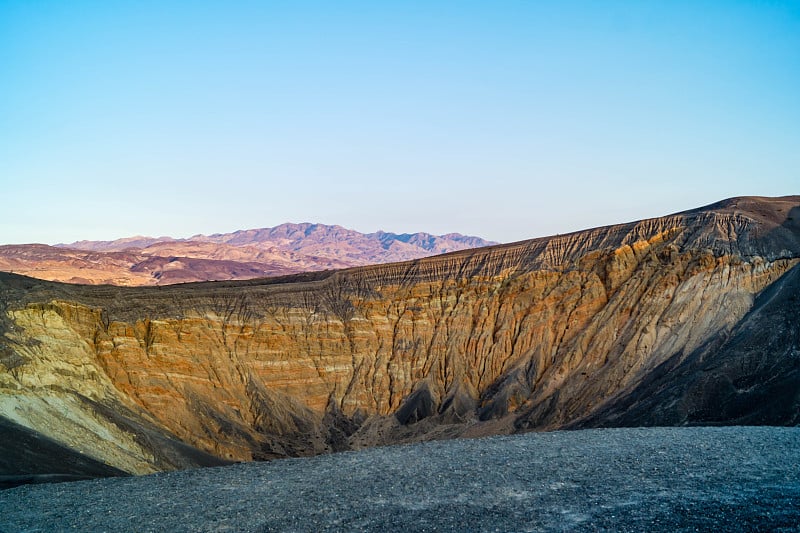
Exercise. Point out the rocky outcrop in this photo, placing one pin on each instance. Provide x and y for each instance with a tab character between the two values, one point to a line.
746	376
540	334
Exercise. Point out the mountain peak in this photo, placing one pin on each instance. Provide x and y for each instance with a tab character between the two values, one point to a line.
243	254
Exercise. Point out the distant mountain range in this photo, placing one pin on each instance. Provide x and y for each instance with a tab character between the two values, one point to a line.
244	254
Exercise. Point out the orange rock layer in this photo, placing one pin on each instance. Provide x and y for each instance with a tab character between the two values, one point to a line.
535	335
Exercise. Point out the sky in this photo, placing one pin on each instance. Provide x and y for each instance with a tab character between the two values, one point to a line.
503	119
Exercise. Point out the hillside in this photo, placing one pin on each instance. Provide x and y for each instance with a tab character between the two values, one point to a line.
683	319
245	254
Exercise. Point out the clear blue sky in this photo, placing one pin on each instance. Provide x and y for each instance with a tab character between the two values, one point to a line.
504	119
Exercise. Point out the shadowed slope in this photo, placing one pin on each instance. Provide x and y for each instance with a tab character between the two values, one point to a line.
748	376
28	457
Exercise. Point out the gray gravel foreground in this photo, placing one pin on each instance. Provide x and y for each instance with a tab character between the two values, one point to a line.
739	479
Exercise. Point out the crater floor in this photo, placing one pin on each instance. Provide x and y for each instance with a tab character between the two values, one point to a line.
655	479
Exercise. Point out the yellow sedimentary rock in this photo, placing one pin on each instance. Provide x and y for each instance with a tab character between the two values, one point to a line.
551	328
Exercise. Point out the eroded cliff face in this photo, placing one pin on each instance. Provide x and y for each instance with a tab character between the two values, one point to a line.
534	335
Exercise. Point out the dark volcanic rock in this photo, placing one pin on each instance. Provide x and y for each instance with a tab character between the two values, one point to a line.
420	404
660	479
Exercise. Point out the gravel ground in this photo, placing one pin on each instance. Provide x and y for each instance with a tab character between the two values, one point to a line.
741	479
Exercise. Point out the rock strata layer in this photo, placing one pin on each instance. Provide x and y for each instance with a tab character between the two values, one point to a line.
661	321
